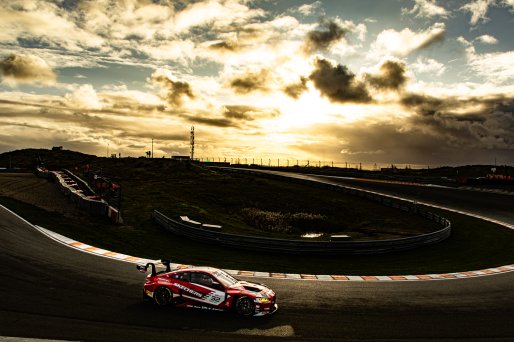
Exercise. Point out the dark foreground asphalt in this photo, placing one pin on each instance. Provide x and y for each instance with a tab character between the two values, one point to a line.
48	290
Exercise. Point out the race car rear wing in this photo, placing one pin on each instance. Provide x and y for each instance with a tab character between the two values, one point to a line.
143	268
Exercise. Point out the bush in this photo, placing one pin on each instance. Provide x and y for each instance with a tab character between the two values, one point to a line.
279	222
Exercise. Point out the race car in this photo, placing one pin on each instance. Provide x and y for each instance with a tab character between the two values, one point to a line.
206	288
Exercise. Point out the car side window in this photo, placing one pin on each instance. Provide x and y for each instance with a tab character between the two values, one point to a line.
184	276
205	280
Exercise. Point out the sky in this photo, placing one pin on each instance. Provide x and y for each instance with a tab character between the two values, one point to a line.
423	82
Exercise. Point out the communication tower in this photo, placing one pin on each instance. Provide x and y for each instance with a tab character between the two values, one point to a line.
192	142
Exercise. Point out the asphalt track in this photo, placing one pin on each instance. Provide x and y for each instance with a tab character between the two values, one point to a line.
51	291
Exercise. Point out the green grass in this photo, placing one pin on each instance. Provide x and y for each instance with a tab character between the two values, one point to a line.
474	244
220	198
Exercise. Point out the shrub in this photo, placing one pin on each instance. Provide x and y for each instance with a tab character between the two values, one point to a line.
279	222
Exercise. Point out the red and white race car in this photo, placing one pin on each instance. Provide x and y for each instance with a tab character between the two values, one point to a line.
206	288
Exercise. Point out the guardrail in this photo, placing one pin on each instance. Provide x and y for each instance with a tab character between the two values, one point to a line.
299	246
68	185
316	247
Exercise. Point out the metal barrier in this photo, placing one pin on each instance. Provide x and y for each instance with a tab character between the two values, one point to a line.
316	247
68	185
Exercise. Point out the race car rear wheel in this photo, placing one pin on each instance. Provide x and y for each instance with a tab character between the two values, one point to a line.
245	306
162	296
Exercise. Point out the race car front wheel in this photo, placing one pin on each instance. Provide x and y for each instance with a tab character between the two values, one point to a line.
162	296
245	306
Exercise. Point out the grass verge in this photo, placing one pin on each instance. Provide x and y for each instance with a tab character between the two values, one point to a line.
473	245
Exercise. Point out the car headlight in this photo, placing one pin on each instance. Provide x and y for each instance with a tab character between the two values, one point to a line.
262	300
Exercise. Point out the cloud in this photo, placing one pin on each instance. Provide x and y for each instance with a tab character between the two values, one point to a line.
225	46
251	81
391	75
174	91
249	113
43	23
509	3
487	39
219	14
404	42
84	96
496	67
338	83
427	9
466	122
425	65
328	33
478	10
26	69
308	9
439	131
295	90
121	121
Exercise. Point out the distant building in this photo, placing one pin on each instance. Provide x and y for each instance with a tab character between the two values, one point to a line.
57	148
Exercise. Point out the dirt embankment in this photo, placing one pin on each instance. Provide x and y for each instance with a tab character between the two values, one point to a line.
28	188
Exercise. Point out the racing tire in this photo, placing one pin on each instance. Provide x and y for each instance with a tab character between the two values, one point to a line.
245	306
162	296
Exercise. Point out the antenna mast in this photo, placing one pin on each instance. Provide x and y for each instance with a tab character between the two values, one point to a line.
192	142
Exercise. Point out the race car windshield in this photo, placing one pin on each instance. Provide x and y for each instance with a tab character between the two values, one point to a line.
225	278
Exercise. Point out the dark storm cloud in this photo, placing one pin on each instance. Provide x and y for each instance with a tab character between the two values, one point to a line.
216	122
391	76
224	46
440	131
338	83
250	82
26	69
234	116
295	90
326	34
487	123
176	90
249	113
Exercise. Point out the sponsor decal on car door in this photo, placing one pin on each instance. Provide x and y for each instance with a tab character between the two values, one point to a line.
210	296
209	287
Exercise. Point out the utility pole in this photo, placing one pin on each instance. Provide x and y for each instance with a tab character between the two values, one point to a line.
152	147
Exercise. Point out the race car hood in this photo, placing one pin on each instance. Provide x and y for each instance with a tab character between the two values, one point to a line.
252	288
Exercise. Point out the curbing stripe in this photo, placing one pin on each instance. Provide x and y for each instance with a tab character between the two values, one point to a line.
308	277
289	276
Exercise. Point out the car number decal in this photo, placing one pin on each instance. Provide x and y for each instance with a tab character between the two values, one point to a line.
212	298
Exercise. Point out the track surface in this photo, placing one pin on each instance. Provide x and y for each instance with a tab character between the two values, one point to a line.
51	291
495	206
